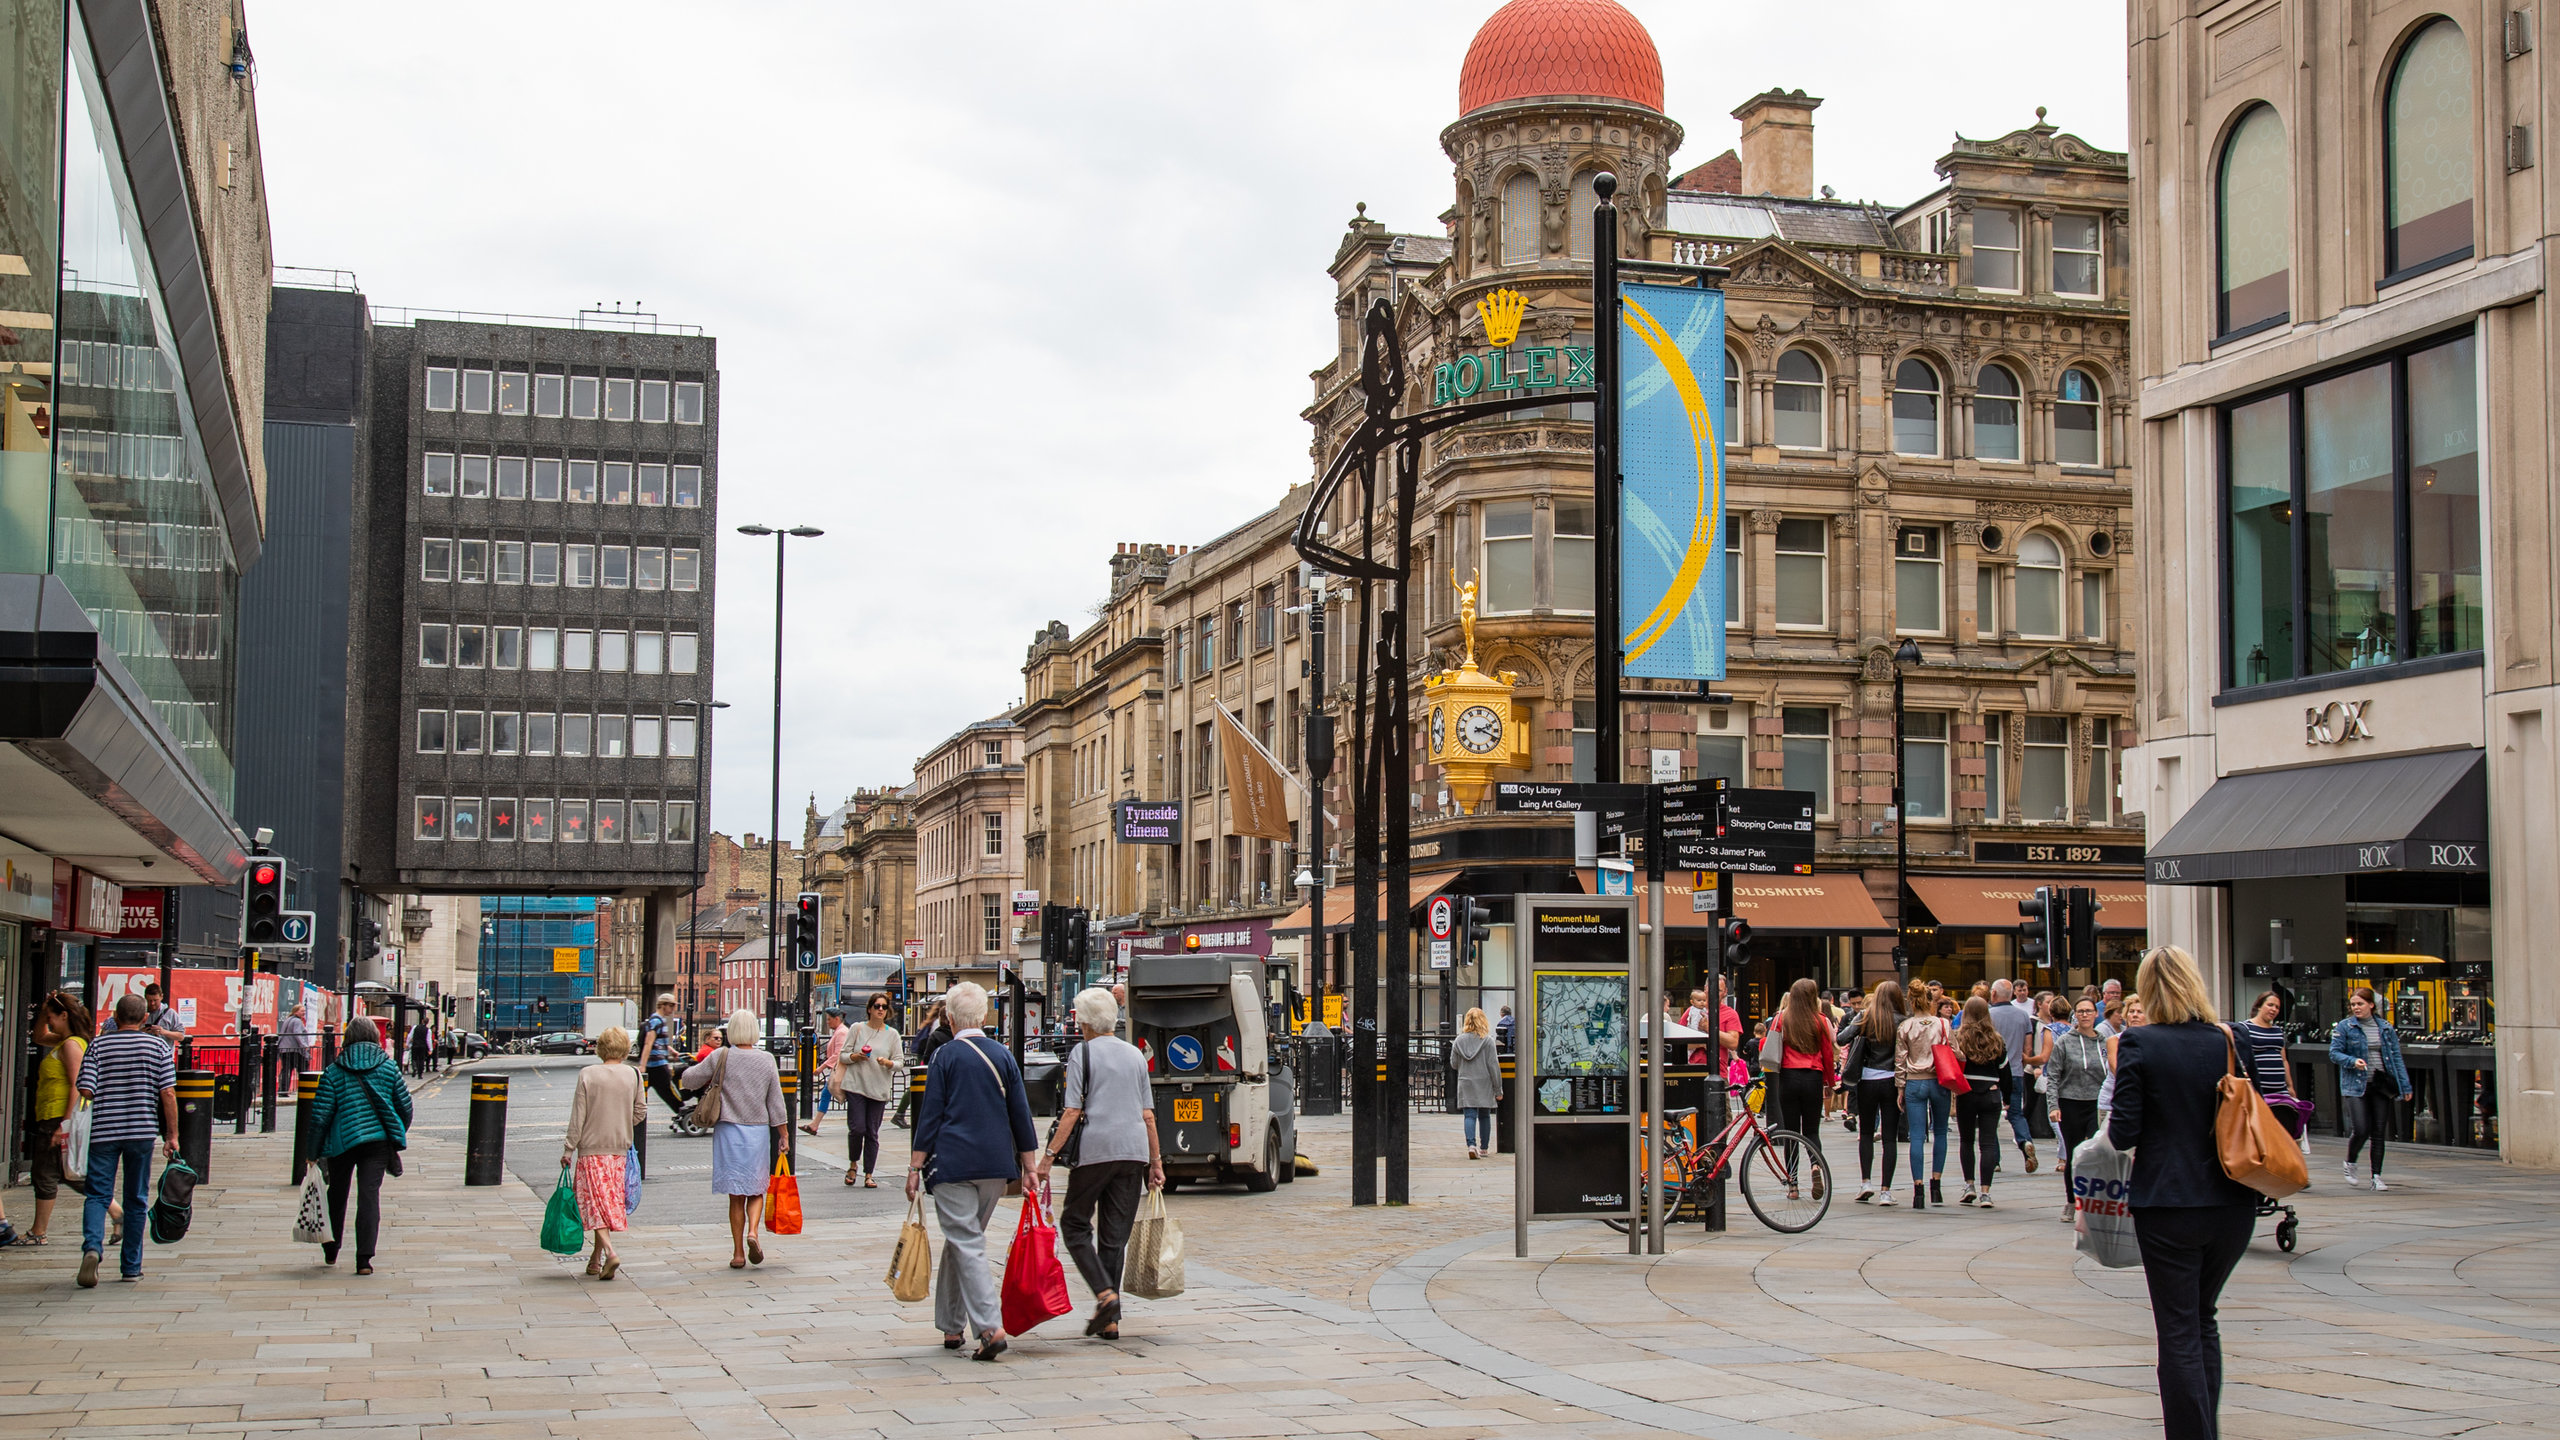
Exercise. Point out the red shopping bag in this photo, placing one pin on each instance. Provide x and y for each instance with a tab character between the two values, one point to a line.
782	1198
1035	1284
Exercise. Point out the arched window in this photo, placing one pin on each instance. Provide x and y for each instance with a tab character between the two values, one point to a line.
1577	220
2256	237
2075	419
1799	401
1520	219
1995	414
1915	408
1727	429
2039	587
2429	149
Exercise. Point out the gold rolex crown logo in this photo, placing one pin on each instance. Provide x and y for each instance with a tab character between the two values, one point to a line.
1502	311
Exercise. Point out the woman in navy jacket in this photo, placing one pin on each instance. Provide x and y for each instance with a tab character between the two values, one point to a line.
973	1138
2191	1220
2367	1081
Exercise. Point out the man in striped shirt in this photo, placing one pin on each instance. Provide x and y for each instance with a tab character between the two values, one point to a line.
131	1079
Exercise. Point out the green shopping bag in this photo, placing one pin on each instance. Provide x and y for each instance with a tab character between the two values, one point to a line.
561	1232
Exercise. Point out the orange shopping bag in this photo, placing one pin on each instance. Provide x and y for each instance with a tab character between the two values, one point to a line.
782	1198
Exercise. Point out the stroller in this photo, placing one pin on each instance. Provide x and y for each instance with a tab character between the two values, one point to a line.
2295	1116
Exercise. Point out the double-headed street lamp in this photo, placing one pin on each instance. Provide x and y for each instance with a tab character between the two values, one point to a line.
773	841
1907	653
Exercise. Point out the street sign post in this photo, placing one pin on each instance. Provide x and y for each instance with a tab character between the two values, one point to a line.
1443	917
914	951
294	929
1717	826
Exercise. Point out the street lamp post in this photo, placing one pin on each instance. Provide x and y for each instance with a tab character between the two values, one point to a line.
1907	653
773	840
701	819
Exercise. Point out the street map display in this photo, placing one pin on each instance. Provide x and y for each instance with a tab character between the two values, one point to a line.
1582	1041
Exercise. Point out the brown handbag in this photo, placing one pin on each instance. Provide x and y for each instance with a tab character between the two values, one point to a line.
2256	1150
706	1111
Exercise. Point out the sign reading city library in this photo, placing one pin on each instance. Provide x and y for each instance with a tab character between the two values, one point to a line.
1148	822
1512	367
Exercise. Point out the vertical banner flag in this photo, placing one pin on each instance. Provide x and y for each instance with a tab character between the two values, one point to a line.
1671	581
1259	788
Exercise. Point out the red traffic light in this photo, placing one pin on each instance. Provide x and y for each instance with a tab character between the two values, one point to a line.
263	874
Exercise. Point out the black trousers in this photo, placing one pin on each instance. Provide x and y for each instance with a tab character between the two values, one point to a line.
2368	1118
364	1165
2079	1122
862	1116
1800	1105
2187	1254
1978	1113
1112	1188
1879	1118
662	1080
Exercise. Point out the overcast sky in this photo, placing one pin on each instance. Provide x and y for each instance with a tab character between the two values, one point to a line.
998	285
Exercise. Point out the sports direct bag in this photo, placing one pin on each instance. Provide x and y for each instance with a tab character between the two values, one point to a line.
2255	1147
911	1264
311	1217
2102	1203
75	1154
1153	1270
1035	1284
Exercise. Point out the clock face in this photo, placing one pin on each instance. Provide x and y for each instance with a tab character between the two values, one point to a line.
1439	731
1479	729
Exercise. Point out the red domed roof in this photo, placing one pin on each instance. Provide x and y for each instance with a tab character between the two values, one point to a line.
1534	48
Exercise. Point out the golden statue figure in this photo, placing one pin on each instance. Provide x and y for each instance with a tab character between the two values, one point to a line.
1466	615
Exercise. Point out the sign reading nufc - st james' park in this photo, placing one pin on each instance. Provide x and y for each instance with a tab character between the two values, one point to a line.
1671	506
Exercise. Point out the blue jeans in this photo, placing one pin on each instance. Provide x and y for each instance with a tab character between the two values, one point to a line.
104	1157
1478	1120
1924	1103
2013	1089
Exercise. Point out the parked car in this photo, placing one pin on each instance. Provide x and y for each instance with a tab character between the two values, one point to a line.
474	1044
560	1042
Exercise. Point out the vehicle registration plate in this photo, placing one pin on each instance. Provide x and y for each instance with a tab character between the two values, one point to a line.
1186	1112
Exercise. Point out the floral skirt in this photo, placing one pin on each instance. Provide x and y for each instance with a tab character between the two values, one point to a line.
598	1181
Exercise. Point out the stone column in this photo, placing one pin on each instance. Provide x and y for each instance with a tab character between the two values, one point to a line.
1964	552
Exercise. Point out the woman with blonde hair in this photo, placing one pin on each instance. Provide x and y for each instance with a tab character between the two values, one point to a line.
750	1131
609	1102
2191	1220
1479	1071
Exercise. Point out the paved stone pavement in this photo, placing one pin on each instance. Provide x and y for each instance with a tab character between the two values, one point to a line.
2433	1310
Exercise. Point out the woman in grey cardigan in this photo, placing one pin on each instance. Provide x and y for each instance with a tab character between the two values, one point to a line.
748	1134
1479	1069
2075	1067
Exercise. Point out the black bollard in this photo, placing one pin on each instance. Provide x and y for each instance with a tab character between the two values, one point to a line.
640	1132
195	1121
304	1091
268	1061
484	1159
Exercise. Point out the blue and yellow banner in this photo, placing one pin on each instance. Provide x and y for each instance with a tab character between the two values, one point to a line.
1671	582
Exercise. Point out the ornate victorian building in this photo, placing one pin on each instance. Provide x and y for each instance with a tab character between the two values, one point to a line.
862	864
1925	439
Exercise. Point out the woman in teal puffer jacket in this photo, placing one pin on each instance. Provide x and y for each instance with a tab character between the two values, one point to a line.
360	1116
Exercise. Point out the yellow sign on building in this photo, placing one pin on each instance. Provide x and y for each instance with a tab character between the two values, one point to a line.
564	960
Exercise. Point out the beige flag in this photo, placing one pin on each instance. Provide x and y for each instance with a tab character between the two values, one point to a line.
1258	789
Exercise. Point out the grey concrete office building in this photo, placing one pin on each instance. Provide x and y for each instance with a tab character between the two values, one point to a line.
533	600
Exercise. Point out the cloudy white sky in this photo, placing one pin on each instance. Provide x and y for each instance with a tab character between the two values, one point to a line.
998	285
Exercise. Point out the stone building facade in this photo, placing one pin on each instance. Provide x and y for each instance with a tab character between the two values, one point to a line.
2350	700
862	863
968	807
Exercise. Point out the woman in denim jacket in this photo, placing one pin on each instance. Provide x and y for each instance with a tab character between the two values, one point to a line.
2366	1051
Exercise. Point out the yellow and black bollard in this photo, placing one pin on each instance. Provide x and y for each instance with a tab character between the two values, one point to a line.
305	1090
195	1121
484	1157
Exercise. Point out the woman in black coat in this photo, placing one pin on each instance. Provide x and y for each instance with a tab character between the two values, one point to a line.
2191	1220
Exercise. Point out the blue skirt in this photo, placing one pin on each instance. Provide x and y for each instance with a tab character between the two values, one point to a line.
741	1159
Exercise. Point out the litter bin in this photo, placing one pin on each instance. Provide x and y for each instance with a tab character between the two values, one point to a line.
226	1097
1044	1081
1319	1075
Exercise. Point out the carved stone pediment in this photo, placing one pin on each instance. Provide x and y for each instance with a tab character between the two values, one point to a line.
1773	264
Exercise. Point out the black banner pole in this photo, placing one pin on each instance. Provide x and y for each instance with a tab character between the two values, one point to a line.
1611	750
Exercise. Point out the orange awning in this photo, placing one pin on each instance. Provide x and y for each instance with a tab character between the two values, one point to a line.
1337	903
1991	903
1776	904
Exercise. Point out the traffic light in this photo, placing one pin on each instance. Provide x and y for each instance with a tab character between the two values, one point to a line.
1475	927
1077	928
2041	929
804	932
1737	942
262	901
2082	928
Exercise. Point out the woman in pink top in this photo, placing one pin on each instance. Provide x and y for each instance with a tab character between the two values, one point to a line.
1808	1065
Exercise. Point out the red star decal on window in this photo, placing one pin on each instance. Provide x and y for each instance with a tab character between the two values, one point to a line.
606	822
505	819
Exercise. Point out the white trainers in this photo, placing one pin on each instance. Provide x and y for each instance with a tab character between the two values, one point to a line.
2067	1216
1885	1200
1985	1202
1866	1193
2349	1170
2378	1185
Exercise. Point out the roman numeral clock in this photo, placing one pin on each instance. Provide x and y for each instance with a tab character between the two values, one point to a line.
1471	725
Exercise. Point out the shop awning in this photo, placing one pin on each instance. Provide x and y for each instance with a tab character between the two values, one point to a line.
1777	904
2396	813
1963	902
1337	903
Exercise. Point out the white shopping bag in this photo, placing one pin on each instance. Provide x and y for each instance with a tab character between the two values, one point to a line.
2102	1203
311	1217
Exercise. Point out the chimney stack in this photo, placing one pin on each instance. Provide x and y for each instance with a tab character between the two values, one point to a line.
1777	143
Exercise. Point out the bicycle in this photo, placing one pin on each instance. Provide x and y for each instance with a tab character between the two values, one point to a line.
1786	1183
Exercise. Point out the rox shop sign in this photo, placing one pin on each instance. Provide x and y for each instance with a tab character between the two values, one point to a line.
2335	723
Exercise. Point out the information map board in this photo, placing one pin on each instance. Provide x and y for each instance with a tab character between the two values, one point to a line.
1576	1100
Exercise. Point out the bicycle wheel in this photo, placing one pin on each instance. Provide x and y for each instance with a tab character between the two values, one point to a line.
1675	1190
1786	1182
